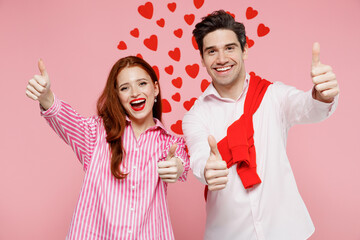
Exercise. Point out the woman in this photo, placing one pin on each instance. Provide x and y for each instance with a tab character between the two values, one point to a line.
125	150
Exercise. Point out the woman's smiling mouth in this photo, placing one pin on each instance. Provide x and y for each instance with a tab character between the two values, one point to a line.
138	104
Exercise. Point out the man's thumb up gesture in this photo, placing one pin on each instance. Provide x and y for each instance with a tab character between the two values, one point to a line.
172	168
326	85
38	88
216	171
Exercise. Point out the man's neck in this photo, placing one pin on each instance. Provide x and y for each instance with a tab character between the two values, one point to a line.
232	91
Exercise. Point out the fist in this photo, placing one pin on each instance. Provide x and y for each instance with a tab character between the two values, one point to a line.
325	83
172	168
216	171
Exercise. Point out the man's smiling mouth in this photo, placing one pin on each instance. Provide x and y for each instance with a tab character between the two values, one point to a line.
223	69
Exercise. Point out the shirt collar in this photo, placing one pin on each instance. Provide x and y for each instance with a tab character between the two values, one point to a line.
211	91
158	124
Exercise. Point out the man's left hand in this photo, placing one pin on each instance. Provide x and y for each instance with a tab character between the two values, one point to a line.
325	83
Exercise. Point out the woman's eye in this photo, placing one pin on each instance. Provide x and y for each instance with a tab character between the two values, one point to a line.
143	83
123	89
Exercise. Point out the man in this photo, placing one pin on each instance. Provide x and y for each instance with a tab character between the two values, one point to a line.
241	155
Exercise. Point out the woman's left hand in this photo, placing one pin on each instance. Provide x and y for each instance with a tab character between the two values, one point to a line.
172	168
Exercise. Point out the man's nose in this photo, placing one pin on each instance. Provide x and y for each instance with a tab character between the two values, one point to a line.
221	58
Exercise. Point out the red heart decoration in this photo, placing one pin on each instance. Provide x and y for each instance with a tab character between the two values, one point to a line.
169	69
249	42
122	45
262	30
194	43
139	56
171	6
175	54
192	70
135	32
251	13
176	97
151	42
189	18
160	22
204	84
177	82
146	10
166	107
233	15
156	69
189	104
198	3
177	127
178	33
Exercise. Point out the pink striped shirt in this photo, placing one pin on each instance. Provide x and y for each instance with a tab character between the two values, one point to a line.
109	208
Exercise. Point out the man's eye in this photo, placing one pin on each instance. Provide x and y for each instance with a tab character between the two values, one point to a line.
230	48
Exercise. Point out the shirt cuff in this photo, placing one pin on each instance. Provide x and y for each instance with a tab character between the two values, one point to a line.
330	107
53	110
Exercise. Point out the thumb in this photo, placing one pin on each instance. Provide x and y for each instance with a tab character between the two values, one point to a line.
213	146
171	152
316	54
42	68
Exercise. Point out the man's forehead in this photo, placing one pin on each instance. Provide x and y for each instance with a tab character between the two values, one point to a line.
220	38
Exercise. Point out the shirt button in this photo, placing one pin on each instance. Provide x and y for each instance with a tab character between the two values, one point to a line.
136	149
133	187
129	231
134	167
131	209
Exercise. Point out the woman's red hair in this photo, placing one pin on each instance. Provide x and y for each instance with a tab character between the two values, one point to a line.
113	114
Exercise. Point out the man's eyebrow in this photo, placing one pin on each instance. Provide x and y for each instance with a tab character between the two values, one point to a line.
227	45
232	44
208	48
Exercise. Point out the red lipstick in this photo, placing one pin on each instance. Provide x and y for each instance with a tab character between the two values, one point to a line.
138	104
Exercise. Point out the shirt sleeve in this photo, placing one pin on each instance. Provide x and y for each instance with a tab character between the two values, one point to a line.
76	131
299	107
196	135
182	154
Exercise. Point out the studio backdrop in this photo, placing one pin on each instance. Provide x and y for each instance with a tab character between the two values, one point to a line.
79	41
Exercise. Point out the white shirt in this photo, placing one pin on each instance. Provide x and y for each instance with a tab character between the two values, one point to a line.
274	209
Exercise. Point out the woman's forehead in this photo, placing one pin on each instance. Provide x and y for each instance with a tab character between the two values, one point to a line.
130	74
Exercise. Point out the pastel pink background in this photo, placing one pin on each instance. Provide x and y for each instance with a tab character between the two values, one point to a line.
40	177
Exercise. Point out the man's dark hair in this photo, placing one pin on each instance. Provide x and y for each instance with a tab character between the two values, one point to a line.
218	20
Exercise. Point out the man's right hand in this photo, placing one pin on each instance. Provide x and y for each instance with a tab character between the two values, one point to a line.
38	88
216	171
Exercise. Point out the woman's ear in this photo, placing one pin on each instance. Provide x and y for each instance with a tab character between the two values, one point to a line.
156	88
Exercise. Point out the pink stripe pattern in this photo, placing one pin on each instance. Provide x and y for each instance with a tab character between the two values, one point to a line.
109	208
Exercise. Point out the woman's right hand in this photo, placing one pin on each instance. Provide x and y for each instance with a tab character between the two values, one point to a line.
38	88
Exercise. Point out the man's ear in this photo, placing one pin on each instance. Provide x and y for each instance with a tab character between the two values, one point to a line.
245	52
202	61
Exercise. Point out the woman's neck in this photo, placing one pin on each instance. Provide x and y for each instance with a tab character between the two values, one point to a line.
141	126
